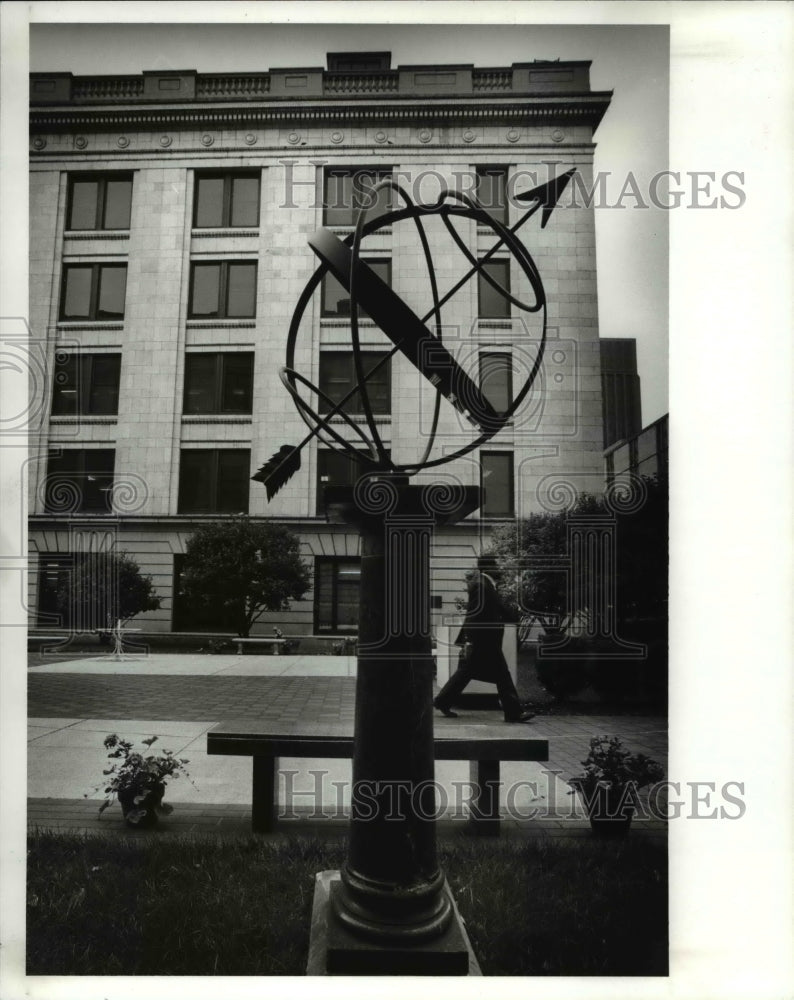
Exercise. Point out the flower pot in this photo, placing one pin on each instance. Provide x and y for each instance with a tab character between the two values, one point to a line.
609	810
143	813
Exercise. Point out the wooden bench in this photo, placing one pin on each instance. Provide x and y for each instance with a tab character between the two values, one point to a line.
267	742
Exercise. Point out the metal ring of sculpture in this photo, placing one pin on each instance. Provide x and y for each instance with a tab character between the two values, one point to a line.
389	311
408	332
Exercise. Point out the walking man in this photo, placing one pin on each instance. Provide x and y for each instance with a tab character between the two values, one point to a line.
481	640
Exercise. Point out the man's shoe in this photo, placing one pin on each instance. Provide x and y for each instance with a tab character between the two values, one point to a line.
445	711
524	717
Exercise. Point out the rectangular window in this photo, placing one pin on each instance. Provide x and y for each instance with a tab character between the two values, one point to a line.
349	189
338	376
223	289
492	304
335	468
496	480
214	480
337	585
219	383
80	479
496	379
86	384
93	291
492	192
99	201
228	199
55	574
336	299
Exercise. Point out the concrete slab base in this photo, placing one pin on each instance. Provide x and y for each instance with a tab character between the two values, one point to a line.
333	950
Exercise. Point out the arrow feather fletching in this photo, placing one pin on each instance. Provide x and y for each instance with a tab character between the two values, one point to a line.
279	469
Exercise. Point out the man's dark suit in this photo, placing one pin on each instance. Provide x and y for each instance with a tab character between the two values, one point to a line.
483	627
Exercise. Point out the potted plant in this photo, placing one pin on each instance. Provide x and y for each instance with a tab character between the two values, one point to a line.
138	781
609	783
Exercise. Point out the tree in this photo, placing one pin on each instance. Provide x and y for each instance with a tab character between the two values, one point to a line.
521	548
243	569
103	588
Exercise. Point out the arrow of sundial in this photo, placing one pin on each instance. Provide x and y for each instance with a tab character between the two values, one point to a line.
407	331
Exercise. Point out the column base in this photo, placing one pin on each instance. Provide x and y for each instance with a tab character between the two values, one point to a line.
336	951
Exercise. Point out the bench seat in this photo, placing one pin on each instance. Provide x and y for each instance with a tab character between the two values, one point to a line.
482	745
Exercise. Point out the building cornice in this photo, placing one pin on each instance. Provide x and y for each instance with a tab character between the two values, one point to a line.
583	110
185	99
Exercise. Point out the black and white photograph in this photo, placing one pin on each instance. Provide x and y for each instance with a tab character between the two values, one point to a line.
396	415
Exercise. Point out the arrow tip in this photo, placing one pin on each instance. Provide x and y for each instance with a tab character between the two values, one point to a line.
547	195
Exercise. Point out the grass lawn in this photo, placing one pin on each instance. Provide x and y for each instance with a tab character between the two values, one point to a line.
110	906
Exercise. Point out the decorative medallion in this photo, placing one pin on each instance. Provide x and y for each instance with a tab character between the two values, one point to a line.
557	135
337	137
122	142
80	141
559	377
294	138
39	142
513	135
425	135
250	139
469	136
558	357
165	141
381	137
207	140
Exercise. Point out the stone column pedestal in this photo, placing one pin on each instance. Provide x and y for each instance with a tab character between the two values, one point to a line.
391	911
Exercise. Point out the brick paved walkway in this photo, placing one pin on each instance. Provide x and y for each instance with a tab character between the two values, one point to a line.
188	698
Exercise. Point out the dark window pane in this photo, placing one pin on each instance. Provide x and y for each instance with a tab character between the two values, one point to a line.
338	375
200	375
492	192
209	202
347	597
77	295
339	200
84	205
206	290
66	388
112	289
103	391
324	594
245	201
336	299
238	370
377	203
336	370
98	479
196	469
242	290
118	198
233	481
492	304
496	380
337	583
350	190
80	479
496	470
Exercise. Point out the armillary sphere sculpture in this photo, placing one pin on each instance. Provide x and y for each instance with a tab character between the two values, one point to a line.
391	911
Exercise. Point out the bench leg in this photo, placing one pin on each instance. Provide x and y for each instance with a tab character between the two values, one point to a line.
263	804
484	776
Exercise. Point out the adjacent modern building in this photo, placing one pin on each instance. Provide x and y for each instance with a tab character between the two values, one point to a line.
170	214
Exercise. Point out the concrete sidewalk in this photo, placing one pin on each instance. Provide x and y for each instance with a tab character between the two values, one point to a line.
185	696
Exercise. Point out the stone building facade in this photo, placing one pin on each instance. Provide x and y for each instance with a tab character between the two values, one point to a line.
170	214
